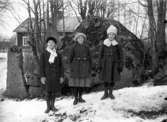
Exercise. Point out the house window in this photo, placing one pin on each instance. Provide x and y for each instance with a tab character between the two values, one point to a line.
25	40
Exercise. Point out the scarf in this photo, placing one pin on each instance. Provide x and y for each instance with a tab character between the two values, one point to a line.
53	54
108	43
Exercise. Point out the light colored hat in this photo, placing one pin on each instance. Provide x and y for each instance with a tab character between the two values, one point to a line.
79	34
112	29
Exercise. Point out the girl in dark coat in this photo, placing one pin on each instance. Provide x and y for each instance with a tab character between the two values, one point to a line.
110	62
80	61
51	72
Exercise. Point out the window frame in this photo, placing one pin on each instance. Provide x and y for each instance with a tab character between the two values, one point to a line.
25	40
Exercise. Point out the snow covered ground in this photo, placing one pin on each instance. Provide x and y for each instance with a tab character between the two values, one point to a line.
138	104
128	100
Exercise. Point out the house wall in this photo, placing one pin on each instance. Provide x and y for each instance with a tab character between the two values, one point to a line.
20	38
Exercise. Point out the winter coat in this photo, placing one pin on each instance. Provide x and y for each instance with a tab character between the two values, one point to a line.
110	63
52	72
80	62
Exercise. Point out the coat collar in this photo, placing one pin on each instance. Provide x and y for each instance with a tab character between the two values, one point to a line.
108	43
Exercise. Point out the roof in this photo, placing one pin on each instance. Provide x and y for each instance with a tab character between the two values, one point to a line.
23	27
71	23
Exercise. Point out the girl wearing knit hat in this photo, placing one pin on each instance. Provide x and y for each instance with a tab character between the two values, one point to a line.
80	61
110	62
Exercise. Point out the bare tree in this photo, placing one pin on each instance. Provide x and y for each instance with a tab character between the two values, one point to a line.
89	8
156	11
43	18
33	26
4	5
56	9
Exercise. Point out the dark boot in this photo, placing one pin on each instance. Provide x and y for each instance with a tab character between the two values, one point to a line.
105	94
111	93
76	90
75	101
48	106
81	100
80	96
52	105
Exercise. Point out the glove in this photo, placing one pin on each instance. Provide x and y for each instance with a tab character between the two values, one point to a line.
43	80
61	80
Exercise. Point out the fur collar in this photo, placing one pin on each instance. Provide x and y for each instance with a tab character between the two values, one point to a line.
108	43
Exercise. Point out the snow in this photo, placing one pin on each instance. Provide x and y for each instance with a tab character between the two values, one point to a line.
94	110
128	101
24	111
3	70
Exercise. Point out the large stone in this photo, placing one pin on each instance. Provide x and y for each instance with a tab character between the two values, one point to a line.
33	79
125	80
15	86
36	91
165	69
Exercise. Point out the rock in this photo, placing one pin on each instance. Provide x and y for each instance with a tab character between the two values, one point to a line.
44	121
32	79
165	120
15	86
150	83
2	99
35	91
95	30
74	117
165	69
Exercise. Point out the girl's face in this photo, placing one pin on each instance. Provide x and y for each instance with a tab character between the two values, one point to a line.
80	39
111	36
51	44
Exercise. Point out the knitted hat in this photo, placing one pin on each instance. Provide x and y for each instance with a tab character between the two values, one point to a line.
79	34
51	38
112	29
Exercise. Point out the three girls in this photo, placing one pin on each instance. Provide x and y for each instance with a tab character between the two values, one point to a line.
110	65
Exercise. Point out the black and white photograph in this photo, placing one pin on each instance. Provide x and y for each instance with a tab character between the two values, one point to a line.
83	60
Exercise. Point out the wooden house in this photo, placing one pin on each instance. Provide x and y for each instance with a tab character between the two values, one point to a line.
70	25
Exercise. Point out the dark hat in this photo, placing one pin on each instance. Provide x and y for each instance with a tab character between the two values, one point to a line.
51	38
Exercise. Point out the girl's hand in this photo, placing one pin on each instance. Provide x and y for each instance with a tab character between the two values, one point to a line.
61	80
43	80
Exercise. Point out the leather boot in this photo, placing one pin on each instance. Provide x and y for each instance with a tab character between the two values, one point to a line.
105	94
48	106
75	101
80	99
52	105
111	93
76	92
